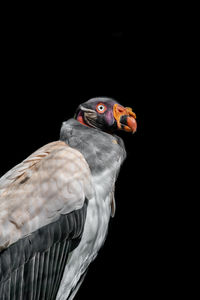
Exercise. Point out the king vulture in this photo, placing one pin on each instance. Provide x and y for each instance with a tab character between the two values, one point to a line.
55	205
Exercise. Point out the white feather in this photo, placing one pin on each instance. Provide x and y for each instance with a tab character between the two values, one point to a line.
95	230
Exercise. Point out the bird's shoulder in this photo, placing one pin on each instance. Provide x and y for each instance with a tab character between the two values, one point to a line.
48	154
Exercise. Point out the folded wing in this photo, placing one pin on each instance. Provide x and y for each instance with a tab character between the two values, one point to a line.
43	205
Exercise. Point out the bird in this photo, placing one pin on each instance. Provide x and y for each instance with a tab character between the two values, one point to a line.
56	205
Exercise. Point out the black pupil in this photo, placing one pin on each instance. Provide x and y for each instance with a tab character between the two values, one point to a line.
101	107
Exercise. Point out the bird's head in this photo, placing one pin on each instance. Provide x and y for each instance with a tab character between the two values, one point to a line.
107	115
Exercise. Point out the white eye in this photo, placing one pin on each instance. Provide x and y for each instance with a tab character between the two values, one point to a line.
101	107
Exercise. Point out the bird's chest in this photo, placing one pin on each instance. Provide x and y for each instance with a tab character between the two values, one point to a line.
94	234
98	216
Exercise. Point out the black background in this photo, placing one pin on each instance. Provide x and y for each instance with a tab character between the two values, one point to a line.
47	71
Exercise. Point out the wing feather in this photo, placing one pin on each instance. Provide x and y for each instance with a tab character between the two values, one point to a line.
42	215
32	267
54	180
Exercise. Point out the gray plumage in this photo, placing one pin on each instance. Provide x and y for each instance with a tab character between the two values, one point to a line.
99	148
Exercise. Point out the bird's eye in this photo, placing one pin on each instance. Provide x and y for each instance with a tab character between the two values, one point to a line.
101	108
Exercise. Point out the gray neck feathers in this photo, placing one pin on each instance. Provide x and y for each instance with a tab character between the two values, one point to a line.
100	149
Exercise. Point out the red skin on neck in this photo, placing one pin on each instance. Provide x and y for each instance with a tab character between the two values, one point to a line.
80	119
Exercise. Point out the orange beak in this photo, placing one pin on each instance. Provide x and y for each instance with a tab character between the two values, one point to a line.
125	118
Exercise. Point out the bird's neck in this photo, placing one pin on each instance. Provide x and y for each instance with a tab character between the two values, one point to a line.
101	150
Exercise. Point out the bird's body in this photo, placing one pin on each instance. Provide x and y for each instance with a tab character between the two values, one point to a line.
56	205
105	166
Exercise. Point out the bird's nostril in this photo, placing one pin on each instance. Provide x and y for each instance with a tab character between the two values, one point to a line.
120	109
